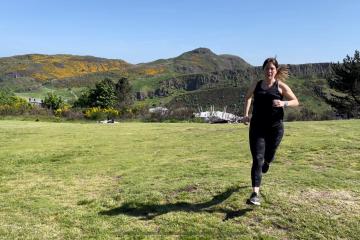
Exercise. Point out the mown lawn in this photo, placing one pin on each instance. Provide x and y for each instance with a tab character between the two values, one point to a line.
175	180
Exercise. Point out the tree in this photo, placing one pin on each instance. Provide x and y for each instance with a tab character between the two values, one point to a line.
107	94
103	95
123	92
344	82
6	96
53	101
83	101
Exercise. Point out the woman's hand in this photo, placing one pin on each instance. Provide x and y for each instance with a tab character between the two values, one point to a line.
278	103
246	120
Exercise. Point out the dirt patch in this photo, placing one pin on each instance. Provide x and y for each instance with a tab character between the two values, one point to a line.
189	188
330	202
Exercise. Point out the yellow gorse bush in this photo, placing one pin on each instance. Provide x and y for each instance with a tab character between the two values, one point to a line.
19	102
62	66
112	111
153	71
99	113
60	111
17	106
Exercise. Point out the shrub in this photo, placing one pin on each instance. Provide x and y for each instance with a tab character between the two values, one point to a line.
60	111
97	113
53	101
15	106
69	113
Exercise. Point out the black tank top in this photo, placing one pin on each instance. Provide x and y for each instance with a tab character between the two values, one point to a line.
263	111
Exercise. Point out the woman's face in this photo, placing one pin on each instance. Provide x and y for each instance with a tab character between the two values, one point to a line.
270	71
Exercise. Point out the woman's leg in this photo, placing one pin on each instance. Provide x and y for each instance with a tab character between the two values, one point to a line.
257	147
273	138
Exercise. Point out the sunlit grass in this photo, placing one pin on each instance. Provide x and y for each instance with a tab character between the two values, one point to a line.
67	94
70	180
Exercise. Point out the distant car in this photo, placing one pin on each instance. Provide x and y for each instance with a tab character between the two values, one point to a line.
159	110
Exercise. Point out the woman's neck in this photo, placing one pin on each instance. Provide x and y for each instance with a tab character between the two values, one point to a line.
270	82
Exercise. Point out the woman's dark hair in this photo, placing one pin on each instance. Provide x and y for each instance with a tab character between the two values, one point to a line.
282	71
270	60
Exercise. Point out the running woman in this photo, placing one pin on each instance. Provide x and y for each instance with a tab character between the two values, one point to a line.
266	124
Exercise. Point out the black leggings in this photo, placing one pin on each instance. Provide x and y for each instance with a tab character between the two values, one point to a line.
263	144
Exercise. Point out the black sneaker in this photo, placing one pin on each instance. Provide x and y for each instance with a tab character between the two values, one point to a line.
265	167
254	199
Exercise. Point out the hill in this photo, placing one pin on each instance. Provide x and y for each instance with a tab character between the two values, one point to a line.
200	60
198	78
33	70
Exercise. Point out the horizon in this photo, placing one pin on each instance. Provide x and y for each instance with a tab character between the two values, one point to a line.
69	54
139	32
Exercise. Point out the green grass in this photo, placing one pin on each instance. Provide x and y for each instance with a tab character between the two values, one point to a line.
183	180
67	94
150	83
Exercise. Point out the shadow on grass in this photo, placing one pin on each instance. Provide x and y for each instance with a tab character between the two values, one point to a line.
235	214
150	211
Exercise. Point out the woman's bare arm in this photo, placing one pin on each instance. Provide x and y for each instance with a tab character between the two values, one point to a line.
247	103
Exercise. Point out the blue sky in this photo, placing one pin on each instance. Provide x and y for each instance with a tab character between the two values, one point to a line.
146	30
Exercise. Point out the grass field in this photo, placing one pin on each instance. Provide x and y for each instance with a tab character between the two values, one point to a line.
41	93
175	180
